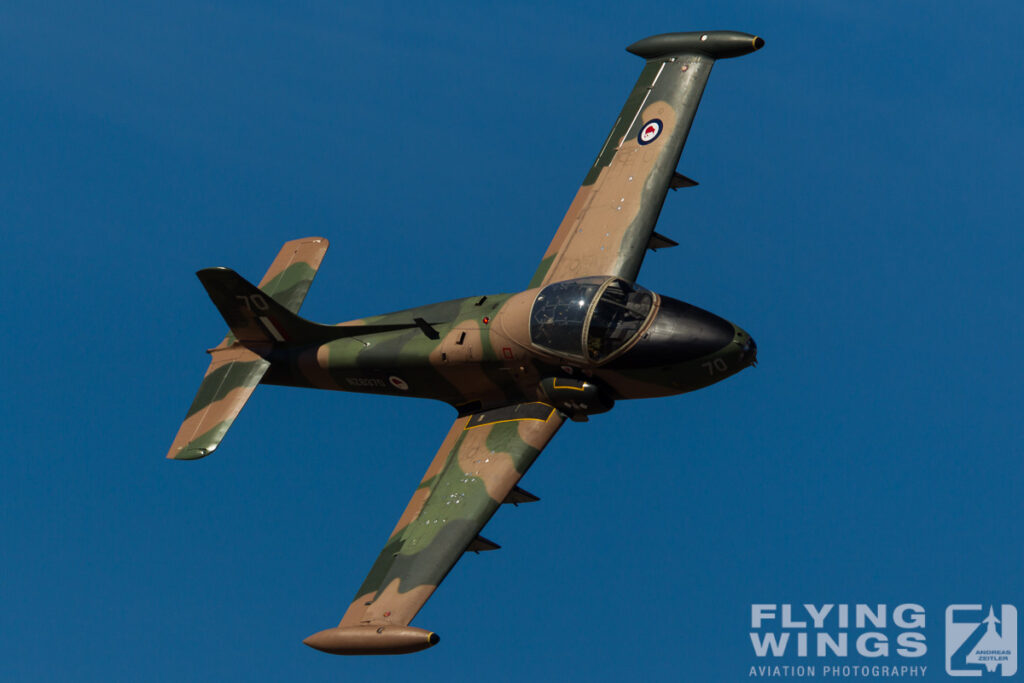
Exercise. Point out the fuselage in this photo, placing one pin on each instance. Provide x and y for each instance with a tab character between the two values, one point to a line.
491	350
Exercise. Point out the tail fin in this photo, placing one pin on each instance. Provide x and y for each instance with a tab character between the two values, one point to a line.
234	369
255	317
261	324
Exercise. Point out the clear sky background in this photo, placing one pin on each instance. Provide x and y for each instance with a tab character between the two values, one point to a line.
859	212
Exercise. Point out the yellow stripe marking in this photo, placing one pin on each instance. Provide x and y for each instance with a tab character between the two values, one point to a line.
554	385
513	419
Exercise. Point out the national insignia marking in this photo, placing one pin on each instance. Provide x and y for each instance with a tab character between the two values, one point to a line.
649	132
398	383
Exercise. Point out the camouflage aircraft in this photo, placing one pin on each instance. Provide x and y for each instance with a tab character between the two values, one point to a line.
514	366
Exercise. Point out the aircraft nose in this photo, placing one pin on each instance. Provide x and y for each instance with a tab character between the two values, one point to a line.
750	354
681	333
748	348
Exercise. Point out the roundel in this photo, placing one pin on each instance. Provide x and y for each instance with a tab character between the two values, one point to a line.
649	132
398	383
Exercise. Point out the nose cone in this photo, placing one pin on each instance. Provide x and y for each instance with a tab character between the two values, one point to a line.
682	333
748	348
689	346
679	333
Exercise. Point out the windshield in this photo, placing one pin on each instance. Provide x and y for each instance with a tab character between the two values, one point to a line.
609	310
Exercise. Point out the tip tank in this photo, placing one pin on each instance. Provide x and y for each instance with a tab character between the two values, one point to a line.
372	639
714	44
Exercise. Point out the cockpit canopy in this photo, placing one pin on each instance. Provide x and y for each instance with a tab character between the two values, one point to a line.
589	318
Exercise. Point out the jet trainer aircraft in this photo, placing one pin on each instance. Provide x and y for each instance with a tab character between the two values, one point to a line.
515	366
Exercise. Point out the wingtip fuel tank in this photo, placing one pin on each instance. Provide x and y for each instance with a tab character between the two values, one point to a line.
714	44
372	639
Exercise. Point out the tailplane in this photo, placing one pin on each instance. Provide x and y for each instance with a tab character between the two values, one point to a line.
234	369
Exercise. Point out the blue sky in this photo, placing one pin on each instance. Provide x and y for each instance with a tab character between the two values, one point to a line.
859	213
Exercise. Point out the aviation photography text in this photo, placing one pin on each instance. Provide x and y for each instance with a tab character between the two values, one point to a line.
838	640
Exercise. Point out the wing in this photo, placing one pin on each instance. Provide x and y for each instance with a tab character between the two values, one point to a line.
611	220
473	473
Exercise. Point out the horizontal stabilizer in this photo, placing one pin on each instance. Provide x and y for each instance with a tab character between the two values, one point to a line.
234	370
292	272
230	380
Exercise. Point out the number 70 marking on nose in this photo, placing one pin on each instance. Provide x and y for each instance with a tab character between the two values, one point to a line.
715	365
